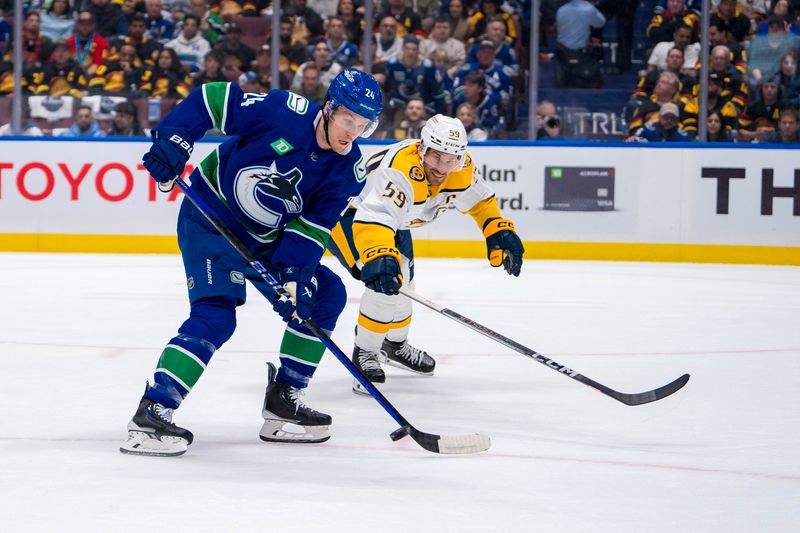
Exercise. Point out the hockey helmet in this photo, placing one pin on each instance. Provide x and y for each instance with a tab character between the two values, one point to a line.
358	92
447	135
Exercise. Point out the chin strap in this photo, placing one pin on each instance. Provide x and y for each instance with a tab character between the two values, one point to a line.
325	126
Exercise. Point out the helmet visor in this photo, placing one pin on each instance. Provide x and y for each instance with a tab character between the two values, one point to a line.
352	123
441	161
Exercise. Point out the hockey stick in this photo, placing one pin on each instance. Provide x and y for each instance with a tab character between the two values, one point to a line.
453	444
626	398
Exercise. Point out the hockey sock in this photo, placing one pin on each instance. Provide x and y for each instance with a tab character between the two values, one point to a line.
301	352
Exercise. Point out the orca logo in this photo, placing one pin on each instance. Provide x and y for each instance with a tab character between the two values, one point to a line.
264	194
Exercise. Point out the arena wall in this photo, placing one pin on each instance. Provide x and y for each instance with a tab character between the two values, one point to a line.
609	201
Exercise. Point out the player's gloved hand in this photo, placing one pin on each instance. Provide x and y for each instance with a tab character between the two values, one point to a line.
301	285
381	270
503	245
168	155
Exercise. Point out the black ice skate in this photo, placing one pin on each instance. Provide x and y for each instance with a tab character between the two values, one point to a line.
369	365
152	432
403	355
287	418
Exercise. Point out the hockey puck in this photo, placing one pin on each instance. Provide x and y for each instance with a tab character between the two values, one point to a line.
399	433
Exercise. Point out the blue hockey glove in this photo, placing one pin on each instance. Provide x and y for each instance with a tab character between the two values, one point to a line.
168	155
301	285
381	270
503	245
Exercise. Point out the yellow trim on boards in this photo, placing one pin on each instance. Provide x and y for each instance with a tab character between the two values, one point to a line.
586	251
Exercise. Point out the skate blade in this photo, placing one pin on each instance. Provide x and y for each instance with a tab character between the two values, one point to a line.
277	430
396	364
359	389
140	443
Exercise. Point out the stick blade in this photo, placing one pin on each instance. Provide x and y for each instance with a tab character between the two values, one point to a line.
653	395
451	444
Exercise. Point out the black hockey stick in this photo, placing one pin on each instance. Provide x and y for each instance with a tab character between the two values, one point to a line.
453	444
626	398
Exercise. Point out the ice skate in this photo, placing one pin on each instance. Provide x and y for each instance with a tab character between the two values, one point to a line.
369	365
152	432
287	418
403	355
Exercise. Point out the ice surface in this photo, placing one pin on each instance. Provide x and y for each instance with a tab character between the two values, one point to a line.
80	334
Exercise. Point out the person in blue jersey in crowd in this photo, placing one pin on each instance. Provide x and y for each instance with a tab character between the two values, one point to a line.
280	183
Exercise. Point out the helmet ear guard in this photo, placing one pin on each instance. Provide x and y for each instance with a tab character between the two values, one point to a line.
447	135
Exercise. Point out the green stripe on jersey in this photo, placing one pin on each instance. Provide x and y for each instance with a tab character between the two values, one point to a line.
314	232
209	167
181	364
215	95
298	346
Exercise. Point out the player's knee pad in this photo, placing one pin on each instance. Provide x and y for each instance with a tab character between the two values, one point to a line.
330	300
212	319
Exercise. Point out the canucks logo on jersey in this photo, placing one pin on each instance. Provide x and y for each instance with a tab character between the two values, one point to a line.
257	188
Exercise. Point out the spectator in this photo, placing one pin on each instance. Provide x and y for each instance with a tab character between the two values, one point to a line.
36	47
408	21
210	23
6	76
166	79
158	26
106	16
293	54
125	122
86	46
664	130
128	11
782	9
312	87
190	46
411	76
441	62
789	78
548	123
640	111
414	118
459	20
647	83
29	127
761	117
249	83
237	56
733	86
767	51
497	79
119	74
578	66
682	40
57	23
328	69
352	20
490	10
387	44
263	68
324	8
503	53
485	102
440	40
716	133
662	26
60	77
341	50
84	125
468	117
787	128
146	49
737	25
307	24
718	36
727	111
6	34
212	70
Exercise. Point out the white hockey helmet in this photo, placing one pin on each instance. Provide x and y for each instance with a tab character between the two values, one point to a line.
447	135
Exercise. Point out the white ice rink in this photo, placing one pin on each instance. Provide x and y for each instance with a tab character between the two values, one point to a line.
80	334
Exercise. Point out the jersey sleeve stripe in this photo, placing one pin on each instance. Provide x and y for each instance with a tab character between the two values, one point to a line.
315	226
215	97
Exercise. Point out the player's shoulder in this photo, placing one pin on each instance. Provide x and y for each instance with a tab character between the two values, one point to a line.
463	178
402	164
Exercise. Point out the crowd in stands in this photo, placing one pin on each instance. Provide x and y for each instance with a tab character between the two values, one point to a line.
135	59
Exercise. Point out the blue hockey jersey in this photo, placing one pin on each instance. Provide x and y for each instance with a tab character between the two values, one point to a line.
270	182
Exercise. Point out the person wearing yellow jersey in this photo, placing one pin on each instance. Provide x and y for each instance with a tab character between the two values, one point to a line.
410	184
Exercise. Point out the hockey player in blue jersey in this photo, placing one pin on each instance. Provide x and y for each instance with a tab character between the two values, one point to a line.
280	183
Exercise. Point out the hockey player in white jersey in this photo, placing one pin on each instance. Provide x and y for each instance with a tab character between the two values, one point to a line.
410	184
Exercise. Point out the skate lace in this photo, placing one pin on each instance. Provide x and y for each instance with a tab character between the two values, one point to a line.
164	413
368	360
296	396
410	353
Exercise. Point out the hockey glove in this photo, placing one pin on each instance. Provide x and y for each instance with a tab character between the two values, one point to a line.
381	270
503	245
168	155
301	285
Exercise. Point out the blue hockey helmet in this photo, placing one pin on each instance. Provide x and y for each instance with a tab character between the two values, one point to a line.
358	92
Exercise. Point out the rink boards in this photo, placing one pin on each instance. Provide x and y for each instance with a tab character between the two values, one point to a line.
568	200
